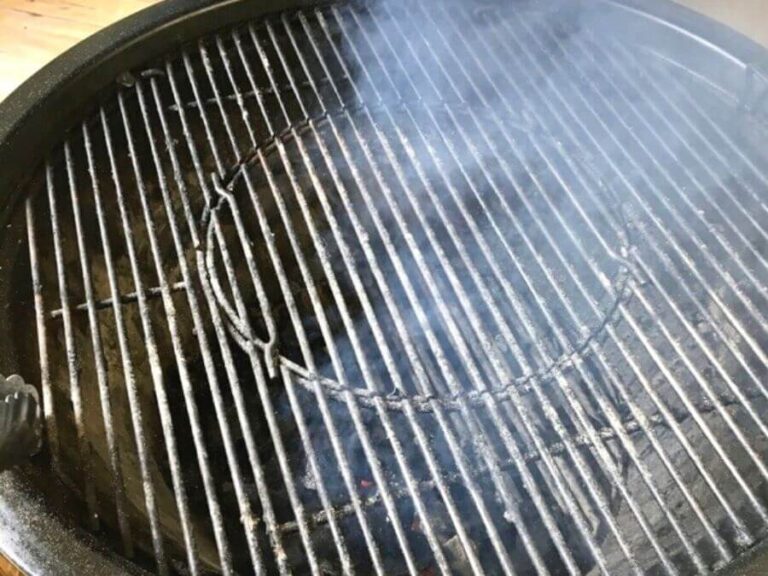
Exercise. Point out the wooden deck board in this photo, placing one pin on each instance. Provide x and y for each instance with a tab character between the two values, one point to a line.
33	32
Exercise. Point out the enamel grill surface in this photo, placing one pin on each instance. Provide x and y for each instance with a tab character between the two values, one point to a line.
387	289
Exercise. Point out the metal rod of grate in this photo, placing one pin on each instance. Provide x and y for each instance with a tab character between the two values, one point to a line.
726	416
424	223
647	269
459	342
663	410
700	379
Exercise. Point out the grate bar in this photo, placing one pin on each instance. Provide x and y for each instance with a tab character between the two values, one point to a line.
130	297
99	361
648	388
353	408
330	513
433	240
512	509
370	315
152	351
725	340
192	410
583	419
735	389
49	413
742	533
443	136
703	248
722	136
754	346
700	161
409	348
716	266
710	257
554	532
702	469
470	145
137	419
309	448
259	474
296	503
382	344
71	353
606	407
702	381
253	456
244	506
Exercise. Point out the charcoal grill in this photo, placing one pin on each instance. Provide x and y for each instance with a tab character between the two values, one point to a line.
392	288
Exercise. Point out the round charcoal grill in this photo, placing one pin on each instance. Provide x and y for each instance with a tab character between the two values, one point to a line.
390	288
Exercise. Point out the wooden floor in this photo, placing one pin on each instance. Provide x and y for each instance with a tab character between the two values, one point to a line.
33	32
6	569
750	17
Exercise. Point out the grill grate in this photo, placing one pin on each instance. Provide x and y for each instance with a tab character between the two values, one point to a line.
364	290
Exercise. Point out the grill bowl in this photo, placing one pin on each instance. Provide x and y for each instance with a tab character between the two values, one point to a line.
63	94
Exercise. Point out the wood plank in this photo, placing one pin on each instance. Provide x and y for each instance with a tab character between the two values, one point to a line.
749	17
8	569
34	32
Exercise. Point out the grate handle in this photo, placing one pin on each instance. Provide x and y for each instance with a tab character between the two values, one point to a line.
20	421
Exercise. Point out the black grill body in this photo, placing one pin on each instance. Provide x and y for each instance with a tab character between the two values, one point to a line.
391	288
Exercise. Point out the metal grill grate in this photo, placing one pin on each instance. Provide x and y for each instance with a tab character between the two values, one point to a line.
364	289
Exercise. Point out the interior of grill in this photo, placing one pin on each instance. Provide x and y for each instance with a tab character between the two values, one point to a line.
380	288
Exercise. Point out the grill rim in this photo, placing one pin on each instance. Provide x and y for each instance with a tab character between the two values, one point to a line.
29	125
